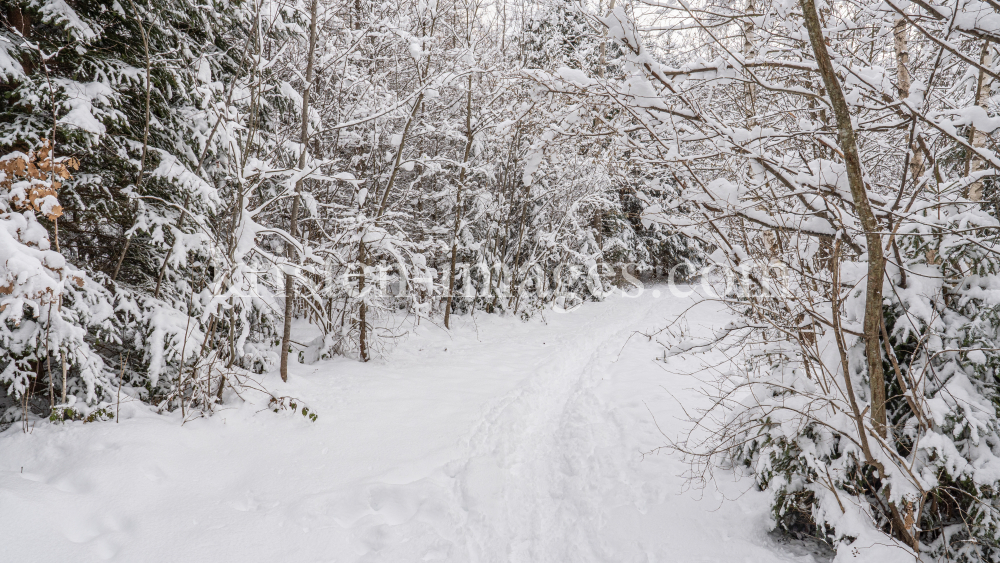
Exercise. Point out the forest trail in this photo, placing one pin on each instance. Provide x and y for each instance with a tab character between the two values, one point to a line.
502	442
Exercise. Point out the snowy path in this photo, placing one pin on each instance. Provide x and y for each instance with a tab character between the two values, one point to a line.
506	441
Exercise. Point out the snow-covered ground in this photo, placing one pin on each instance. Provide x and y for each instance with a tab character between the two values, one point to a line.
502	441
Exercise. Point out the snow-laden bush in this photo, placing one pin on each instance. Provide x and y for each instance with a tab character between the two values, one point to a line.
934	468
850	192
169	301
48	308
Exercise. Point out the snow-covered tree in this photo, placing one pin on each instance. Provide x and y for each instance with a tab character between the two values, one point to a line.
835	155
244	164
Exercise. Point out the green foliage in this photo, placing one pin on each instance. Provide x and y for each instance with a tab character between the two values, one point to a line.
65	414
289	404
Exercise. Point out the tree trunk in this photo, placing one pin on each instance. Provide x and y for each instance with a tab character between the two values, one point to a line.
876	263
977	137
145	133
458	202
363	309
902	51
293	229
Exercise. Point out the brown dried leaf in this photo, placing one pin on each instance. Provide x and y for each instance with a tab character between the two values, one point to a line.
34	172
55	212
39	193
43	153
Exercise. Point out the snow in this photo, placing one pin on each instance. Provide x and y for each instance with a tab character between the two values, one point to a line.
10	67
59	13
575	76
503	441
81	98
